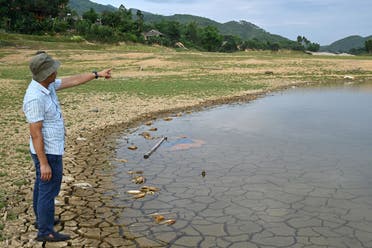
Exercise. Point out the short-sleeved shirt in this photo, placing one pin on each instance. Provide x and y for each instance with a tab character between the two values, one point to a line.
41	104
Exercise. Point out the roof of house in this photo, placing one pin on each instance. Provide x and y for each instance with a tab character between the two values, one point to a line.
153	32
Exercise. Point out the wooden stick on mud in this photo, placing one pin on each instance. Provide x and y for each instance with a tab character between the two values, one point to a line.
148	154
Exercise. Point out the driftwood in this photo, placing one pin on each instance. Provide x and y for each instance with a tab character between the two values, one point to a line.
148	154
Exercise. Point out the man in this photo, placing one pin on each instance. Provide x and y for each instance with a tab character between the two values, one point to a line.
43	113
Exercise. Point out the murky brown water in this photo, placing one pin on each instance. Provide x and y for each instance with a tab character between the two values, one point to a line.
289	170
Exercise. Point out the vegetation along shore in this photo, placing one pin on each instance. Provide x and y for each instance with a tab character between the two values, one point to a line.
148	82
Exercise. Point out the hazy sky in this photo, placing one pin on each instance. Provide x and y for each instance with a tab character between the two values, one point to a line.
321	21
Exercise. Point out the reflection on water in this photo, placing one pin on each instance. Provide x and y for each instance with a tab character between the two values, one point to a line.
292	169
184	143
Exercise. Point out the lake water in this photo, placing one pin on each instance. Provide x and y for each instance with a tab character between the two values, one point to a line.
293	169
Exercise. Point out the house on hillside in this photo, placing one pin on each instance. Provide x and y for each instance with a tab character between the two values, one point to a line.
152	33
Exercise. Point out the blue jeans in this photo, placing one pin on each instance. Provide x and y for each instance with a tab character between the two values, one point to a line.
45	192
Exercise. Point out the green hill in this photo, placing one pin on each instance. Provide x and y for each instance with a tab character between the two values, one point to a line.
247	30
151	18
243	29
346	44
81	6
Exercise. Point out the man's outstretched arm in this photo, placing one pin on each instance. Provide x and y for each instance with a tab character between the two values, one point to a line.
83	78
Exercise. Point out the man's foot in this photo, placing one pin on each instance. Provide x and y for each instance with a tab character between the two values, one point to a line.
53	237
56	222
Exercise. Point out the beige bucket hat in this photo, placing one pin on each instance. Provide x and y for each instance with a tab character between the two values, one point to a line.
42	66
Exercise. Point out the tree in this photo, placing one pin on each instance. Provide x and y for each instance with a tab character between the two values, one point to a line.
30	16
83	27
126	21
305	44
191	32
102	33
140	21
368	45
252	44
111	19
211	39
314	47
274	46
305	40
91	15
122	8
229	44
299	39
46	8
171	29
174	31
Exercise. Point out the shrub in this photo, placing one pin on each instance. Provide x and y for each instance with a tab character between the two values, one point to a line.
77	38
102	33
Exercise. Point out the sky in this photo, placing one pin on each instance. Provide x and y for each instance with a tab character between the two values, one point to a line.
320	21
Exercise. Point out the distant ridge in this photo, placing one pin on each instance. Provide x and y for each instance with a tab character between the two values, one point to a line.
82	6
243	29
346	44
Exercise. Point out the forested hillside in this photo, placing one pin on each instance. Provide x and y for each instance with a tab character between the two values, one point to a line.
83	19
348	44
82	6
243	29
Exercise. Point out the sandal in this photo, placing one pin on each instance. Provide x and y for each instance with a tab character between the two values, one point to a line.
53	237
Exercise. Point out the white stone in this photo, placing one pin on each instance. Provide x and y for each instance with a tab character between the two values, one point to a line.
83	185
348	77
67	179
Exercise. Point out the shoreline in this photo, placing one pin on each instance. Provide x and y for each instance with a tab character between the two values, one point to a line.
86	154
88	157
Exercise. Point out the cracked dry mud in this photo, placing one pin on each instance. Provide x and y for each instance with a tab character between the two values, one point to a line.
278	205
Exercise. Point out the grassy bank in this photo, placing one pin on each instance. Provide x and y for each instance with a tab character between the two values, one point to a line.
145	79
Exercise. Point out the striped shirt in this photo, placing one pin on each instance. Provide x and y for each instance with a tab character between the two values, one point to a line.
41	104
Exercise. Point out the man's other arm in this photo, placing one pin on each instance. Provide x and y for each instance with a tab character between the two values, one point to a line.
38	142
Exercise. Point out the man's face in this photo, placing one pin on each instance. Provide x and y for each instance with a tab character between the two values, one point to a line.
52	77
